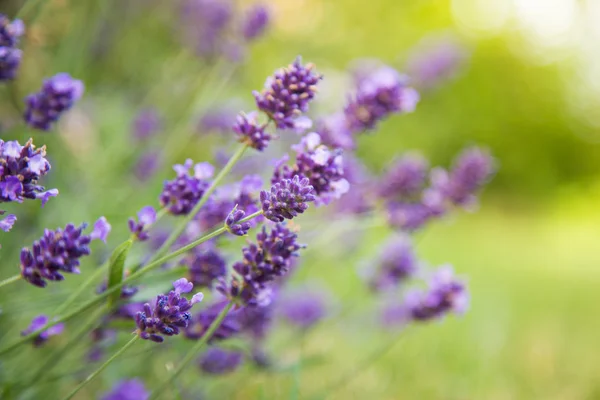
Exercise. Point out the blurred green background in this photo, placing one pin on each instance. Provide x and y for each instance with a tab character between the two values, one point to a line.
529	91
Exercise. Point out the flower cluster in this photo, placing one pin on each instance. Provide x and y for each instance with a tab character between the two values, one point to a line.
7	222
234	225
39	322
58	252
217	361
405	178
181	194
286	199
398	262
250	132
202	320
287	94
205	267
58	94
10	55
146	217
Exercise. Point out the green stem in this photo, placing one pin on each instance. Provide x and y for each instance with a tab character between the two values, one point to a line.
10	280
102	367
135	275
193	351
186	220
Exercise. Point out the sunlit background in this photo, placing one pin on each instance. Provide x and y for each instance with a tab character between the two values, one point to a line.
527	87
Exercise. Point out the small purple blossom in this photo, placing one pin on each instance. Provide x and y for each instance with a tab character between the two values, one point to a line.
205	267
7	222
169	315
10	60
10	56
250	132
397	263
58	94
287	198
202	320
20	169
288	93
233	224
101	229
206	23
217	361
304	309
10	32
405	178
132	389
55	253
379	94
181	194
255	21
146	217
146	124
39	322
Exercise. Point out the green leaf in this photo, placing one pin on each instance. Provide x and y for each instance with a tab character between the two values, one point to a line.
115	270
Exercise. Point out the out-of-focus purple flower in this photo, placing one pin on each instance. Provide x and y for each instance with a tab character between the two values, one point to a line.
7	222
58	94
256	321
146	124
287	198
398	262
408	216
147	165
205	267
182	193
217	361
39	322
378	95
10	31
335	132
10	59
255	21
250	132
202	320
20	169
146	217
445	294
262	262
405	178
132	389
360	198
170	313
472	168
435	61
205	24
288	93
53	254
101	229
233	224
219	119
304	308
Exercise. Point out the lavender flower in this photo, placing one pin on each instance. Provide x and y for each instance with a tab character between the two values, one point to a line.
101	229
206	23
55	253
445	294
10	32
146	217
10	59
39	322
435	61
255	21
132	389
233	224
288	93
146	124
10	56
304	309
287	199
217	361
256	321
405	178
182	193
58	94
204	318
7	222
335	132
250	132
262	262
205	267
398	262
170	313
378	95
408	216
20	169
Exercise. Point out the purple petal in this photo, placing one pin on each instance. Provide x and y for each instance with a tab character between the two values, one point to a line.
203	170
302	124
183	286
197	298
38	164
38	322
147	215
45	196
56	329
11	188
7	222
12	149
101	229
183	169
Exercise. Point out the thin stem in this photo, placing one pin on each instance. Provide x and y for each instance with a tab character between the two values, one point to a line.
10	280
102	367
186	220
193	351
112	289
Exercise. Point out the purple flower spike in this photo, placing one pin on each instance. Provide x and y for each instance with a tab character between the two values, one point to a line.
255	22
7	222
10	56
55	253
20	169
233	225
304	308
205	267
101	229
132	389
398	262
10	60
405	178
169	315
58	94
146	217
39	322
250	133
217	361
288	93
181	194
435	60
10	32
379	94
287	199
